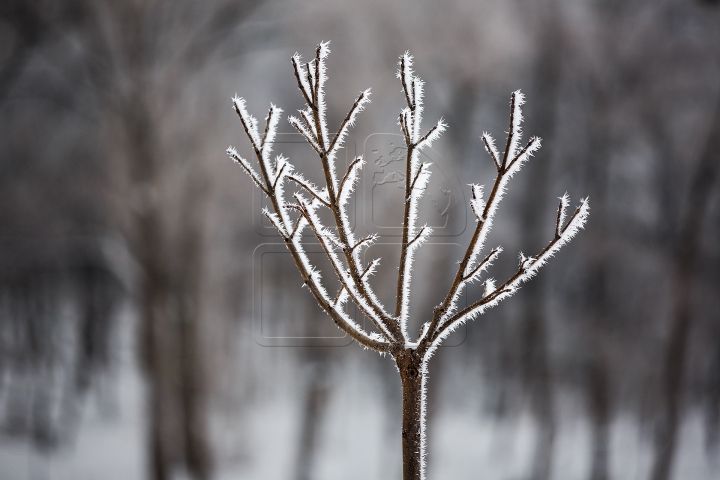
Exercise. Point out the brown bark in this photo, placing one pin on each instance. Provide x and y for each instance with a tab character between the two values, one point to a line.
410	365
170	294
197	451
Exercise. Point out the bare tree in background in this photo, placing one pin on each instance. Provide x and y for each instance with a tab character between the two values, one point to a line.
537	374
139	80
343	249
58	291
686	249
125	62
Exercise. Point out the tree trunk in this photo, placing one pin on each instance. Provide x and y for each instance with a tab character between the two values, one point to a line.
413	446
315	404
599	392
687	251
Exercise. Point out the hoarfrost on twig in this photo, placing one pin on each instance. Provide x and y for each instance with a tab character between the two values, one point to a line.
342	249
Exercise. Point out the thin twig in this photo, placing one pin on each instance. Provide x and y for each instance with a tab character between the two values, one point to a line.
480	265
279	175
296	69
560	211
404	128
492	155
314	143
511	131
347	175
415	238
404	83
508	286
241	161
369	238
310	190
532	142
425	137
295	227
308	122
345	121
246	127
417	176
316	96
342	288
267	127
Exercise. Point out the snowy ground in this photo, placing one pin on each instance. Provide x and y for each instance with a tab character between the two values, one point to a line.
355	443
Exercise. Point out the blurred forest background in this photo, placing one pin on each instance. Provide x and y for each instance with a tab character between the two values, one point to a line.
136	335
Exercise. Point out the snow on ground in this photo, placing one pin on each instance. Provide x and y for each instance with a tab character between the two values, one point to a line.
354	443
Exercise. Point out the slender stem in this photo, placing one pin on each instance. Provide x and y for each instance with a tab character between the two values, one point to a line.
364	240
296	69
404	83
532	142
414	181
336	266
342	287
558	220
387	322
481	264
509	285
492	154
457	282
427	135
345	121
360	337
267	127
279	176
400	291
511	131
347	175
309	189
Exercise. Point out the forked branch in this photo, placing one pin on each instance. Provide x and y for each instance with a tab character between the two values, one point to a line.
339	243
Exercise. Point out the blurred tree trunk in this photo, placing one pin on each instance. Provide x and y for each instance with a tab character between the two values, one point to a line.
535	362
608	85
597	277
685	254
133	75
189	274
149	242
315	399
597	304
170	292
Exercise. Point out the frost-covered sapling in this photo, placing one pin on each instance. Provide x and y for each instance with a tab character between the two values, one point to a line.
293	216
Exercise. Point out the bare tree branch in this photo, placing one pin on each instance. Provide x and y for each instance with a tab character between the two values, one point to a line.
310	189
347	175
297	68
349	119
492	151
482	265
343	250
527	269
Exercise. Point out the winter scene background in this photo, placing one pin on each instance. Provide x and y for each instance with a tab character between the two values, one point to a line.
153	325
